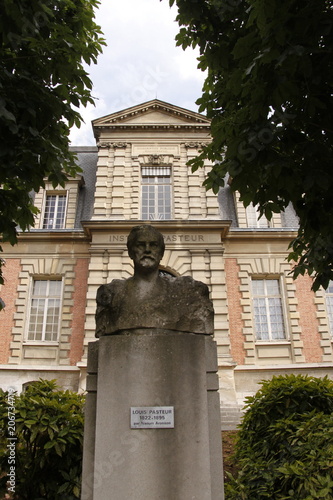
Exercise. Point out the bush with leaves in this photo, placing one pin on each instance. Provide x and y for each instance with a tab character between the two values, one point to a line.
49	432
284	447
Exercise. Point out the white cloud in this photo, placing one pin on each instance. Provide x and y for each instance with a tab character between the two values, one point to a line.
141	61
187	65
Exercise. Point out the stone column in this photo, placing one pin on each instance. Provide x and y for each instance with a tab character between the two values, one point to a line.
183	462
89	437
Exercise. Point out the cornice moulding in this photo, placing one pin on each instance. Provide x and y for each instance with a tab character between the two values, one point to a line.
46	235
263	234
166	226
147	107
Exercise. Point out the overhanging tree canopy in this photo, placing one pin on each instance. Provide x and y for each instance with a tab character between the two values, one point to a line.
44	44
268	93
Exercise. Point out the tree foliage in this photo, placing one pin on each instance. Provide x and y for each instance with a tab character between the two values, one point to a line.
268	93
284	447
48	425
43	47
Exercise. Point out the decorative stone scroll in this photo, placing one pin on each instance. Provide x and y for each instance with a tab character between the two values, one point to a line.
114	145
196	145
156	159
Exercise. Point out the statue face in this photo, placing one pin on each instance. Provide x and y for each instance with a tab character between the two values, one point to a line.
146	251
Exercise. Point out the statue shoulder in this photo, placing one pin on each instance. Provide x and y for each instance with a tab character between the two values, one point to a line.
106	292
191	299
190	284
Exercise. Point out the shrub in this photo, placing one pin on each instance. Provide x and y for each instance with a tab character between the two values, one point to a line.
49	432
284	446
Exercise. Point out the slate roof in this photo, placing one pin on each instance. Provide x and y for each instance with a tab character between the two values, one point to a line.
87	161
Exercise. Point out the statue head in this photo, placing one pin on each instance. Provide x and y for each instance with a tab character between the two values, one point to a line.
145	247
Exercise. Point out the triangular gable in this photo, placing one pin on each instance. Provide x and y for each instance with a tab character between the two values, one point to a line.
154	113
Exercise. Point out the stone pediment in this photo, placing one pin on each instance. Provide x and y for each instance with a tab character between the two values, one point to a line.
152	114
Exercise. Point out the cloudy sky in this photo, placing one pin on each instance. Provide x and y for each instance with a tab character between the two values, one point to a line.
140	62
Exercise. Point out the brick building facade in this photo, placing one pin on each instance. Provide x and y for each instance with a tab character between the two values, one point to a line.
265	323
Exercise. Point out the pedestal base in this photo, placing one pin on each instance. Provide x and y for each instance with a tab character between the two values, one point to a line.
180	463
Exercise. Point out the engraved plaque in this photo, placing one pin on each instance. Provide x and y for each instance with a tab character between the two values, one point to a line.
152	417
148	149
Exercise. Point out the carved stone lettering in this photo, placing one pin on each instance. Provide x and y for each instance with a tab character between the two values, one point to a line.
168	238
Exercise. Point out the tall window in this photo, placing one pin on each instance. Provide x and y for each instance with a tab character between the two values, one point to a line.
55	209
44	317
268	312
156	193
329	305
252	216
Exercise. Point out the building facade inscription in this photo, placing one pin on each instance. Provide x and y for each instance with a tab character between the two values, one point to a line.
168	238
155	149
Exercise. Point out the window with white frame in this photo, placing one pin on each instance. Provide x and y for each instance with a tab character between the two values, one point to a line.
55	211
156	193
329	305
252	217
44	317
269	322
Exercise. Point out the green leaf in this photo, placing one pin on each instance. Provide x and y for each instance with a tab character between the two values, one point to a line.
63	488
76	491
30	422
58	449
49	445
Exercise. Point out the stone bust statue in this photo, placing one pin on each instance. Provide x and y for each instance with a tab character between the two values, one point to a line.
148	300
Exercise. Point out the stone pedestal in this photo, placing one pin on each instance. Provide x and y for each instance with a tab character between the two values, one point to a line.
177	370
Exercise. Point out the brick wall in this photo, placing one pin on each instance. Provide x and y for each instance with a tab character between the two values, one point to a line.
78	310
235	311
308	320
8	294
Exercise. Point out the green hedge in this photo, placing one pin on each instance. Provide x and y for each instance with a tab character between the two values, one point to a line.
48	450
284	447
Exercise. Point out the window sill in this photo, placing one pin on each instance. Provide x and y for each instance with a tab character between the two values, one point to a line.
272	342
41	343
